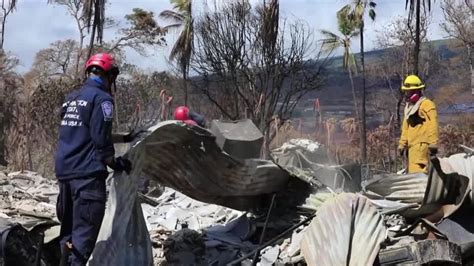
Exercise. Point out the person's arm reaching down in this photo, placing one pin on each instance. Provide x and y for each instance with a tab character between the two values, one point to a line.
403	143
199	119
101	134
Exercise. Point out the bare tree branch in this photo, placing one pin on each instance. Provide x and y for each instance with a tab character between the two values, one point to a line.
143	32
8	6
459	24
249	61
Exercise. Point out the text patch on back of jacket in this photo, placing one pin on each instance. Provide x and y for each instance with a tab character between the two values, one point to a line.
72	117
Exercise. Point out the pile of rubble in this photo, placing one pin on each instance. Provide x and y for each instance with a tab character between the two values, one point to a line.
180	225
174	211
395	216
389	215
27	194
216	209
28	225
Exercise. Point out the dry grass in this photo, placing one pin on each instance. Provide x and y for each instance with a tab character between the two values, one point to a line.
382	142
451	136
286	132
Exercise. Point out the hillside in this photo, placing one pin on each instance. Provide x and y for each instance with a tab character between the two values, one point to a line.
335	96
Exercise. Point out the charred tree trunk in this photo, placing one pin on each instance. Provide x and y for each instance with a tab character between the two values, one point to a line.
79	54
185	84
469	53
363	137
95	25
356	108
2	133
3	32
417	39
399	106
354	96
91	43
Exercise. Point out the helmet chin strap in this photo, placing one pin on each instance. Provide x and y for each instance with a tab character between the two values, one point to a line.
113	84
114	90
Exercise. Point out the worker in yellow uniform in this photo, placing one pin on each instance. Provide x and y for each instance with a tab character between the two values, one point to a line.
420	126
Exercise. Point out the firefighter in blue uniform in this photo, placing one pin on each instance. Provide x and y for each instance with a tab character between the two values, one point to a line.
85	149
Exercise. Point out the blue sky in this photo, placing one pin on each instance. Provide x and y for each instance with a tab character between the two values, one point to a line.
36	24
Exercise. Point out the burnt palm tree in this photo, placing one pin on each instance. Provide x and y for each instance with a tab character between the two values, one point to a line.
414	8
181	18
348	29
94	14
94	11
359	9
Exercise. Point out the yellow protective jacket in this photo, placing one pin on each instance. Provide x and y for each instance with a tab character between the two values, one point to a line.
419	130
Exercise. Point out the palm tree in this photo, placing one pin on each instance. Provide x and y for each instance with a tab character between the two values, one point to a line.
331	41
415	8
181	17
94	14
360	7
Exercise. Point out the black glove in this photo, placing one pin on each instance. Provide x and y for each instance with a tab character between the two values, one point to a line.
402	150
122	164
433	148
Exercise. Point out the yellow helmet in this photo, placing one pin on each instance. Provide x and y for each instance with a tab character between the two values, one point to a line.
412	82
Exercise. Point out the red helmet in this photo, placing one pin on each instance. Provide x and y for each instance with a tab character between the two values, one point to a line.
104	61
181	113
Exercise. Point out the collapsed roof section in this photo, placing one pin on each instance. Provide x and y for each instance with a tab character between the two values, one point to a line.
439	194
309	161
189	160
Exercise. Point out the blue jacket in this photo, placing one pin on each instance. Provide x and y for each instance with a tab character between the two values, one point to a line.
198	118
85	135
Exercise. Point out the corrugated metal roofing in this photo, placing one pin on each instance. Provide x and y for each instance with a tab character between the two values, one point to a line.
347	230
451	183
445	190
188	159
408	188
461	164
123	238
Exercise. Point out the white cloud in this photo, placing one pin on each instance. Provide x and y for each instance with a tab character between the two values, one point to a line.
36	24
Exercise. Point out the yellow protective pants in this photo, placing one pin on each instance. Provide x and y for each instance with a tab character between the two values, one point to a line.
418	158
